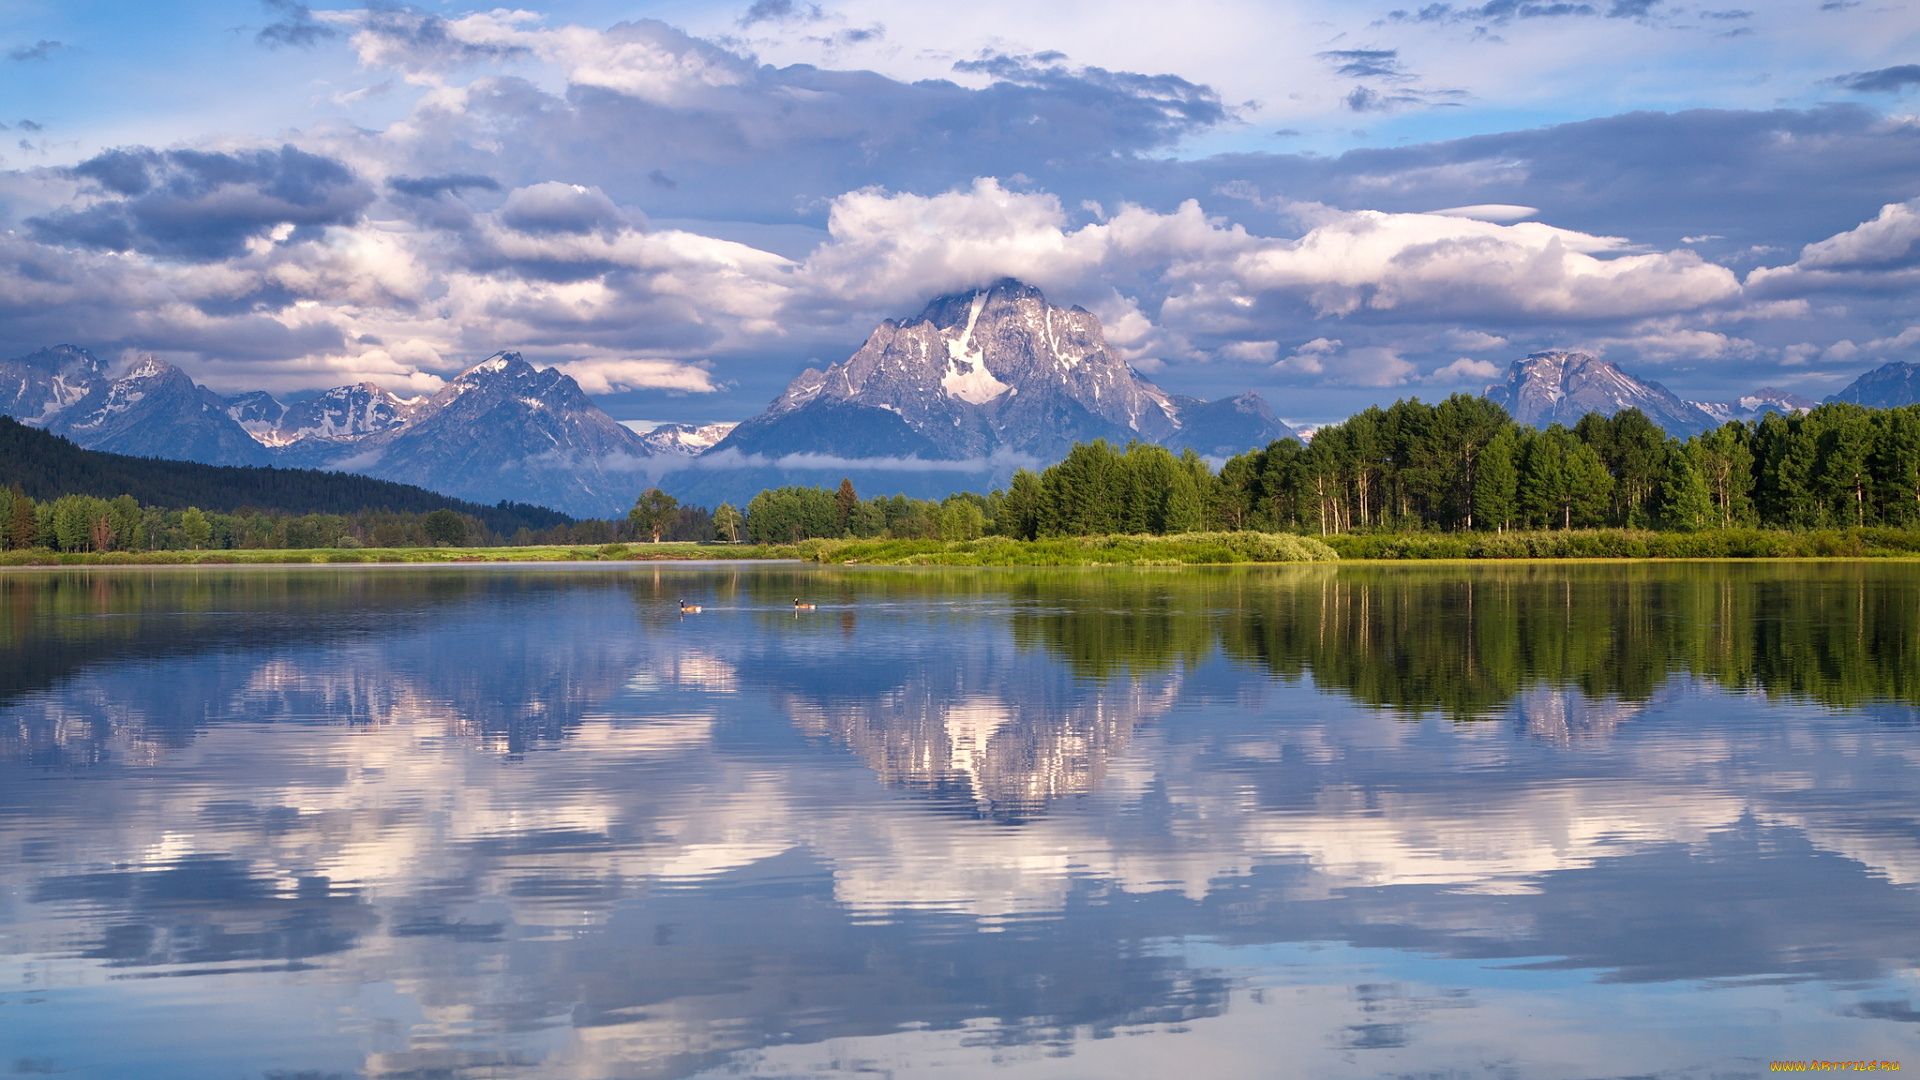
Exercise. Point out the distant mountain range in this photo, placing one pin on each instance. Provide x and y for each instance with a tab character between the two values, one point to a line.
1561	387
979	383
957	397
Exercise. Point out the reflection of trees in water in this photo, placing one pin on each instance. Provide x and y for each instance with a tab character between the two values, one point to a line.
1469	641
153	658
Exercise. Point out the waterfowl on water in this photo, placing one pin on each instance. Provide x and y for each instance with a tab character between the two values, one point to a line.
802	605
689	609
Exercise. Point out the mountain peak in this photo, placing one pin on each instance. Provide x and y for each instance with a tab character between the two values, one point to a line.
1885	387
1559	386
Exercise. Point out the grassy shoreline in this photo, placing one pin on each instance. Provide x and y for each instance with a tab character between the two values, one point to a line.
1189	549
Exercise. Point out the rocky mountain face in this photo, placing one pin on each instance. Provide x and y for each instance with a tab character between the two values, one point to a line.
996	371
1886	387
340	415
154	410
35	387
1561	387
502	429
686	440
1750	406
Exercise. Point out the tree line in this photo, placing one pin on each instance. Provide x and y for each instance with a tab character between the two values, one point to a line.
86	523
1461	465
1464	465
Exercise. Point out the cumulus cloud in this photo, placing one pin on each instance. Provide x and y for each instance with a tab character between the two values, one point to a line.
1886	240
1462	371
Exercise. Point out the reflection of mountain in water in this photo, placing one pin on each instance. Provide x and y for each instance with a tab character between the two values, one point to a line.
1560	714
998	756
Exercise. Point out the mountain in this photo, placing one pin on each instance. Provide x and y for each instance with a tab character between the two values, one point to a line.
1561	387
342	414
956	398
686	440
47	466
1886	387
1751	406
154	410
996	371
34	388
502	429
1226	427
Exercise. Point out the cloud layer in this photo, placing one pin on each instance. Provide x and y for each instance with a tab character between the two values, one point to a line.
621	223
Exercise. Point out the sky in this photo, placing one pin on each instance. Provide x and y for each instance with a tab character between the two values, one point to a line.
685	204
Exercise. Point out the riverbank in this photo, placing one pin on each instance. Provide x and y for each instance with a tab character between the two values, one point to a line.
1188	549
668	552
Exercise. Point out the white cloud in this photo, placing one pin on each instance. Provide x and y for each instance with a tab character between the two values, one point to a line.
1464	370
606	375
1885	239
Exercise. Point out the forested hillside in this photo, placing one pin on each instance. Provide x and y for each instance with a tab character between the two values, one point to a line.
45	467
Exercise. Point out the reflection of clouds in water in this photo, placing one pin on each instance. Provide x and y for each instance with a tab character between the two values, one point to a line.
639	855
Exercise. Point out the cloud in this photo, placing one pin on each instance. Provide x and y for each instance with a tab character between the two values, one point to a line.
606	375
1365	63
296	27
39	50
427	187
203	205
780	11
1888	80
554	207
1462	371
1886	240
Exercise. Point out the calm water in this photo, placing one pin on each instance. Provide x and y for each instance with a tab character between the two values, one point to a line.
1526	821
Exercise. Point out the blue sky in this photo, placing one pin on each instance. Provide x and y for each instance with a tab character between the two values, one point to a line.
684	204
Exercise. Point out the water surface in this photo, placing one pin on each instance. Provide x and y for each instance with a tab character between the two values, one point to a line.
1524	820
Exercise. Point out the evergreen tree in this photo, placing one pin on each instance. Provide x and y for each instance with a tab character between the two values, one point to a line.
1020	514
844	501
1495	483
1686	504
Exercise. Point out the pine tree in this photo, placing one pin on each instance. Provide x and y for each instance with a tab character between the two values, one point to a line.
1495	482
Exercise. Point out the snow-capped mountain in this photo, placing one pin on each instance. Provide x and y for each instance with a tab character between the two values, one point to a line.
344	413
1751	406
155	410
686	440
501	429
993	371
34	388
1886	387
1561	387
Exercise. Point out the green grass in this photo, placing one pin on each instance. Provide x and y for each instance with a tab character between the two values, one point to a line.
1634	544
548	553
1187	549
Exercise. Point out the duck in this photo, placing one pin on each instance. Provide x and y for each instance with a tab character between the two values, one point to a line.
689	609
802	605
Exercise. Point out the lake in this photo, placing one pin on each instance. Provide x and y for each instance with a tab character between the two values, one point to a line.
1523	820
